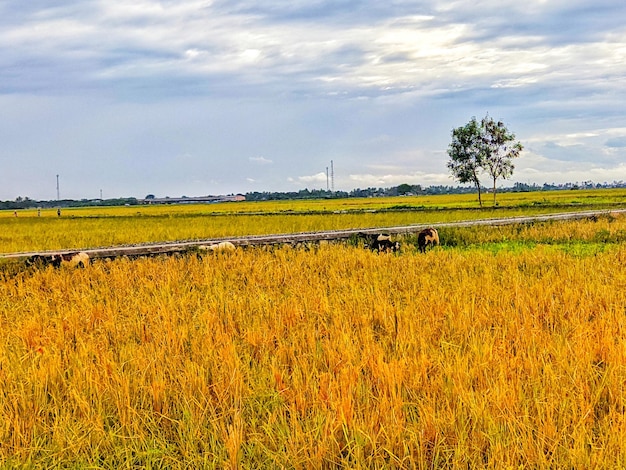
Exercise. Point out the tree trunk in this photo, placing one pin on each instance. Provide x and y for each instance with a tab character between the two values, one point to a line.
494	192
477	183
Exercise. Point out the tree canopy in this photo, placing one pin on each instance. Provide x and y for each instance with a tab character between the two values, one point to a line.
500	149
486	147
466	154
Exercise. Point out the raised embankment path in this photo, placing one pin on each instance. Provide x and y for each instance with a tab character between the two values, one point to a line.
149	249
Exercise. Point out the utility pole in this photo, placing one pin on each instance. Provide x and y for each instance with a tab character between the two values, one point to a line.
332	177
58	192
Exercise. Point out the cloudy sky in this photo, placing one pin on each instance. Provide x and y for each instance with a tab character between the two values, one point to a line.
196	97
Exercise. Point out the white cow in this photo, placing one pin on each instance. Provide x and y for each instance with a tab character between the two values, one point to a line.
226	247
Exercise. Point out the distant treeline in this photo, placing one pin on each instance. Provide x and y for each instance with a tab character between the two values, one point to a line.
27	203
401	190
418	190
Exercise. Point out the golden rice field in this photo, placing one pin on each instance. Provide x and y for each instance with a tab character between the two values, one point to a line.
92	227
504	348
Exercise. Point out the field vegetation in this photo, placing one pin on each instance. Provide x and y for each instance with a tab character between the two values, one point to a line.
503	348
94	227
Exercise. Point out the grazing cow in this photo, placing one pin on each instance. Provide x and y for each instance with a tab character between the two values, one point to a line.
428	236
72	260
383	243
219	247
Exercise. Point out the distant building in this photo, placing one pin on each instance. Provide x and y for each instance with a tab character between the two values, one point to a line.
192	200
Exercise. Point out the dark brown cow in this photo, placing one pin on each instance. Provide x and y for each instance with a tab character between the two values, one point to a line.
428	236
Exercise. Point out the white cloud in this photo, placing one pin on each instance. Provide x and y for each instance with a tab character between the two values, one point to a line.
308	179
194	40
386	180
261	160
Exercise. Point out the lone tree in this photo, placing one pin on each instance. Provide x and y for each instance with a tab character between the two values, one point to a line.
488	147
467	155
500	149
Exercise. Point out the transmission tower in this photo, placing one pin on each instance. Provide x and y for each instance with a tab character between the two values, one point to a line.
327	187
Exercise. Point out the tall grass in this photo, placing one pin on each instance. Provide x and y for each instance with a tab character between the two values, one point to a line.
334	357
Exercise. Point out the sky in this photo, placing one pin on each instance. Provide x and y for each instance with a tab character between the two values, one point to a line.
206	97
